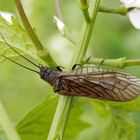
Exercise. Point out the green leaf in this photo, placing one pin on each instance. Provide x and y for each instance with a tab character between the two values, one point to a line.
98	116
131	106
17	37
36	124
121	127
107	123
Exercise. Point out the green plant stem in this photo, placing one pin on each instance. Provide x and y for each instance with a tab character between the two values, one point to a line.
6	125
86	15
121	10
131	62
65	103
27	25
118	63
83	4
85	36
60	118
41	51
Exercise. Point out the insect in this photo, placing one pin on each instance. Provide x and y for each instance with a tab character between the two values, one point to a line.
93	82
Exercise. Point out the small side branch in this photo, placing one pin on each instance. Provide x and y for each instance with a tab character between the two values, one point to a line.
118	63
83	4
122	10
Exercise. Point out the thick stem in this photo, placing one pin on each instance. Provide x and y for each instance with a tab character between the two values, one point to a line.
60	119
86	15
85	36
7	126
64	105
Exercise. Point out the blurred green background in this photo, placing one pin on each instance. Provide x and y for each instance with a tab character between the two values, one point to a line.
113	37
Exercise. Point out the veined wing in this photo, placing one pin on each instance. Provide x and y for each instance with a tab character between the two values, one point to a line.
102	84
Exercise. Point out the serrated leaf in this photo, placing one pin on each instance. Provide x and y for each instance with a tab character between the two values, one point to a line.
17	37
121	127
107	123
36	124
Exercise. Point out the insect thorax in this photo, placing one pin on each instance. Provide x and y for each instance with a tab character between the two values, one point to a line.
48	75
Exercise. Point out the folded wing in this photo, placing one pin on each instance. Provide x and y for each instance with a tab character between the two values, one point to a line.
109	85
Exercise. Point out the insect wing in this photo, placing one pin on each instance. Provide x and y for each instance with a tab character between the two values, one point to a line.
113	86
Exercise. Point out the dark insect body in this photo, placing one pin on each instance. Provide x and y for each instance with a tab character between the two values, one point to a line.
93	82
90	82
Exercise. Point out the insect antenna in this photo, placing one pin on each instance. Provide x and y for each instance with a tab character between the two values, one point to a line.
19	53
18	63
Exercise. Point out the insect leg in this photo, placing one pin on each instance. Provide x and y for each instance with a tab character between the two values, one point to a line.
82	64
75	65
59	68
101	63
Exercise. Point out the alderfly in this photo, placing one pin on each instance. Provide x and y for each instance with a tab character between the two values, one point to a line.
90	82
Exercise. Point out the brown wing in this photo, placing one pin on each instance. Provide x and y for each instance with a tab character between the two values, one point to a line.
113	86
